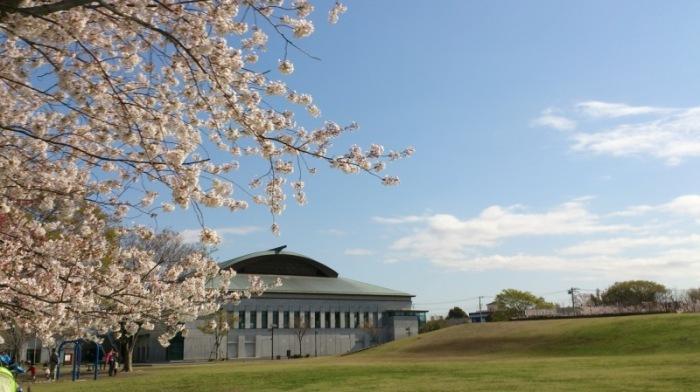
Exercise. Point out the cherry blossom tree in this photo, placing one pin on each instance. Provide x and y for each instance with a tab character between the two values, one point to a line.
114	109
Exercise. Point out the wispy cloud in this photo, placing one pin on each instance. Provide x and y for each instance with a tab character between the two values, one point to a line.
549	119
358	252
614	110
398	220
618	129
617	245
677	263
191	236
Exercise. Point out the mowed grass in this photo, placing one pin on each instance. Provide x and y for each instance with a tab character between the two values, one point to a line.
637	353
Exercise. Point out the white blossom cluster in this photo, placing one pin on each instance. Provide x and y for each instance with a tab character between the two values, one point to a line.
103	100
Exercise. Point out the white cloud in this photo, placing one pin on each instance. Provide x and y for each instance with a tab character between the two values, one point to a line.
683	206
358	252
614	110
550	119
496	223
688	205
571	235
191	236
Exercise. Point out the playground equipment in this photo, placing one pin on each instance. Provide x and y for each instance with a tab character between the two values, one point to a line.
77	358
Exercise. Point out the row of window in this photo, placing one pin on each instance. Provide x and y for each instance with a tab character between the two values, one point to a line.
294	319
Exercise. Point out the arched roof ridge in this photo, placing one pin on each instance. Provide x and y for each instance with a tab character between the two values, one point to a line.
279	262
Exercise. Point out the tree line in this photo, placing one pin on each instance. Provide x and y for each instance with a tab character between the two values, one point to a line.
622	297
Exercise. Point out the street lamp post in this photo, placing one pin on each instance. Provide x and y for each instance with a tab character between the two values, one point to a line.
316	342
272	348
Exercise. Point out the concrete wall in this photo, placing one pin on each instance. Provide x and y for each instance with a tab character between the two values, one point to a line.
403	326
258	343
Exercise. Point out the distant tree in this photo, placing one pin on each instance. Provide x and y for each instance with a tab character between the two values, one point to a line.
217	324
456	313
694	294
633	293
433	325
692	299
590	299
512	303
301	328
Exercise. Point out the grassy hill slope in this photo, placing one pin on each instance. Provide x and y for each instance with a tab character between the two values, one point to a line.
628	354
652	334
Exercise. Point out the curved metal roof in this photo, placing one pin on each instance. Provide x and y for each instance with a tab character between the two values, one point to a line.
279	262
313	285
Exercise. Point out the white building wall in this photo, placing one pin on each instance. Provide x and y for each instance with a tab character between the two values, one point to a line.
200	346
339	338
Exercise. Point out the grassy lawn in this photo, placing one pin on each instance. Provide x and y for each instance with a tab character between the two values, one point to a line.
612	354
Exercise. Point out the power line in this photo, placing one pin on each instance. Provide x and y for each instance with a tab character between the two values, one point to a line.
451	301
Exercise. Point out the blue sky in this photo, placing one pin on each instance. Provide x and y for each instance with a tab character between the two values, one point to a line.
557	146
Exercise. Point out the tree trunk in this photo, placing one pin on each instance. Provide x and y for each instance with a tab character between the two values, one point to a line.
217	345
128	358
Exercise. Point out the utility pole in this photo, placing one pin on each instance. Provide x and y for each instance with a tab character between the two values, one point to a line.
272	345
481	315
573	292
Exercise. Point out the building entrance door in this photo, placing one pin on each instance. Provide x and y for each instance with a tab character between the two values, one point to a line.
176	350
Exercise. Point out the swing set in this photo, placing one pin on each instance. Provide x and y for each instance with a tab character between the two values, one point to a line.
77	358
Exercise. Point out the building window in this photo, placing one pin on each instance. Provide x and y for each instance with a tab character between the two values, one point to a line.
253	319
328	320
337	319
276	319
307	319
367	320
357	320
241	320
263	321
286	320
317	324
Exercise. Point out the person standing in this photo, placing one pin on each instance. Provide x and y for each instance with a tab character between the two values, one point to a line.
53	362
111	362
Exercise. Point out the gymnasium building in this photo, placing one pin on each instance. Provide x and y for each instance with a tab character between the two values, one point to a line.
314	312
